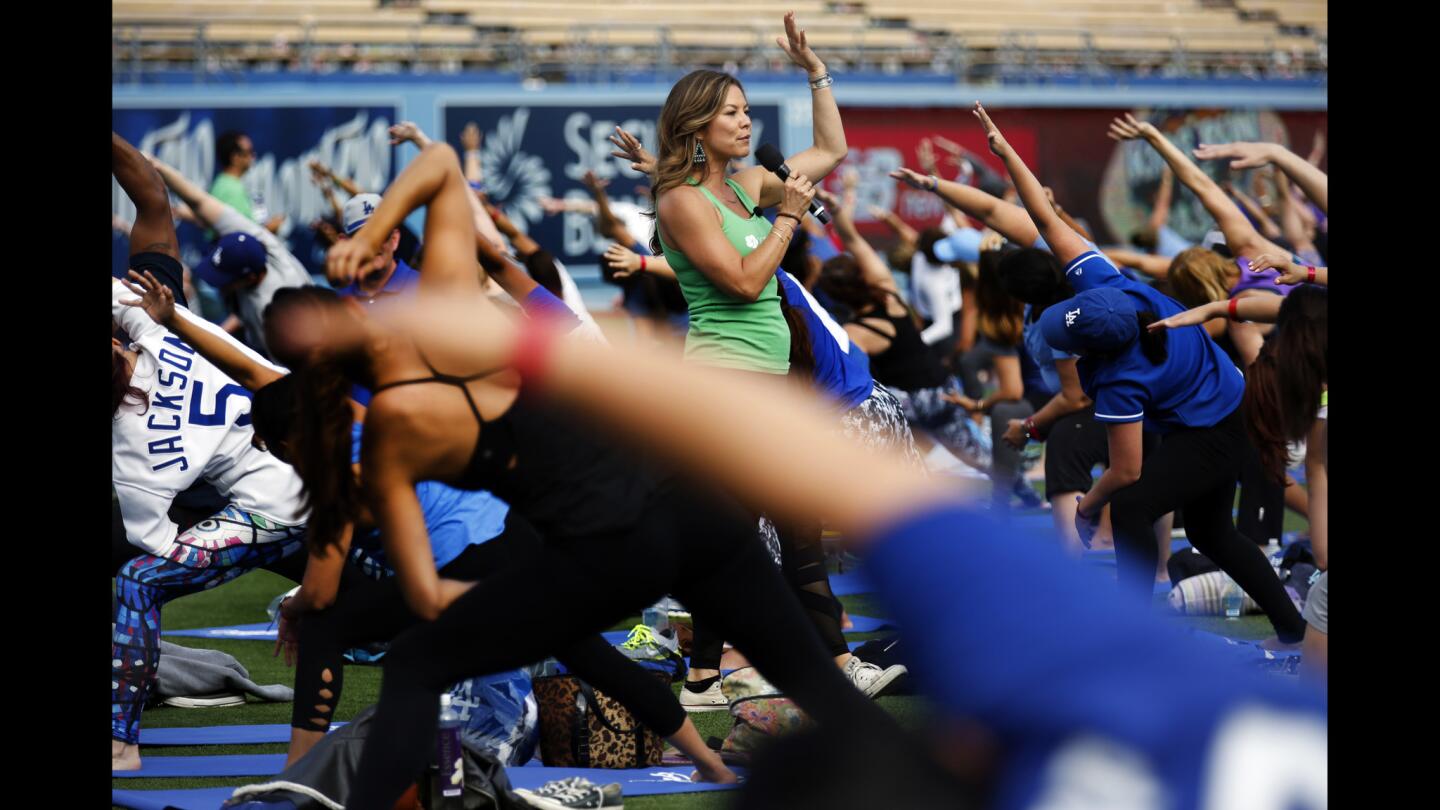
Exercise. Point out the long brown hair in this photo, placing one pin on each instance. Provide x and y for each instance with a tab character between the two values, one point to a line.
1284	384
1001	315
319	442
693	103
1198	276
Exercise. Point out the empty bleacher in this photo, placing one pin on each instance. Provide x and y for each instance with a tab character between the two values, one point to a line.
976	37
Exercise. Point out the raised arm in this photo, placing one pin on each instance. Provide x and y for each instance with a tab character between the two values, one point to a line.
827	132
1160	214
1147	263
206	207
1290	271
153	230
627	263
1292	223
1006	219
908	235
606	222
470	142
872	268
523	244
1257	308
1245	155
1256	211
223	351
1240	236
321	175
433	180
1064	242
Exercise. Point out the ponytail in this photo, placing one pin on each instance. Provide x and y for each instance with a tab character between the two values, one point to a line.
320	450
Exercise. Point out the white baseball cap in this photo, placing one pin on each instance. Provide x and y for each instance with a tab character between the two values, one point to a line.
358	210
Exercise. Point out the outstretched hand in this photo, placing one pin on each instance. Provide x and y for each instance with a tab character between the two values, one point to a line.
1244	155
1128	128
628	147
1289	271
155	299
915	179
470	136
998	145
1190	317
795	46
345	258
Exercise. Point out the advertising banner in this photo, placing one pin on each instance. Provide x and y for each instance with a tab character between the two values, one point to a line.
351	140
1107	184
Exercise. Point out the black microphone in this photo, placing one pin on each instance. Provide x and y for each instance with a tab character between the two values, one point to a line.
771	159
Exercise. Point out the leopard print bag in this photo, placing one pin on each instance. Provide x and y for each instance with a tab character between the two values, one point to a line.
582	727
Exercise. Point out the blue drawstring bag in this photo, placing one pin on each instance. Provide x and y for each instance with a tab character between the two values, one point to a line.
499	715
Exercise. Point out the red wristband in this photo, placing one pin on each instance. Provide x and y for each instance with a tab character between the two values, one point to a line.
1234	302
533	349
1311	275
642	262
1031	432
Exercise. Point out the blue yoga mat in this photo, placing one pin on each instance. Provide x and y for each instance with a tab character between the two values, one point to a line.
224	765
220	735
850	584
197	799
260	631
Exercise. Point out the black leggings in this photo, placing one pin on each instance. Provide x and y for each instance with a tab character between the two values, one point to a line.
1262	500
688	543
802	562
367	610
1196	469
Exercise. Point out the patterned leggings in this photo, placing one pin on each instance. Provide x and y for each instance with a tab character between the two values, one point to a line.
210	553
926	409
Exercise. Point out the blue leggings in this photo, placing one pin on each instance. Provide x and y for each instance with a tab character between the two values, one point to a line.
210	553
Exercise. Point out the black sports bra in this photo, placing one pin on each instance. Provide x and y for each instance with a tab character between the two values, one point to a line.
494	449
548	468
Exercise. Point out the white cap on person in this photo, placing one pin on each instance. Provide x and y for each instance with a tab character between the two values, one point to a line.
358	210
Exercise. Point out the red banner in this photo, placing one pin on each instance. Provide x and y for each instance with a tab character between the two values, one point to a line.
1106	184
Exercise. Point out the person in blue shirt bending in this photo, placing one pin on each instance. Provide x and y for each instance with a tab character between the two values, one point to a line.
1177	383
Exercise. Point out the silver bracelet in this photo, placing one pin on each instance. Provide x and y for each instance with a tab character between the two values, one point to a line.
822	82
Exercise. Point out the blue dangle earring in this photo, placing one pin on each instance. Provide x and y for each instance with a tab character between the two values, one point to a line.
699	156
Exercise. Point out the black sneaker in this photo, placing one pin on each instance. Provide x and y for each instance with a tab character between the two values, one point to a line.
575	792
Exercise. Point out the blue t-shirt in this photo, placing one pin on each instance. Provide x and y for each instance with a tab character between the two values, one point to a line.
1043	354
1093	701
455	518
842	370
402	280
1197	385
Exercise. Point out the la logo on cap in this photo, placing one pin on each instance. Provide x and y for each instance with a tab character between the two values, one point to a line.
215	259
369	209
1071	315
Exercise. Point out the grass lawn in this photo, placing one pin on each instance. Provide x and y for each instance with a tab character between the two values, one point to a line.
244	601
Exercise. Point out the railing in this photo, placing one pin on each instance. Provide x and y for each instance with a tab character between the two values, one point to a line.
594	52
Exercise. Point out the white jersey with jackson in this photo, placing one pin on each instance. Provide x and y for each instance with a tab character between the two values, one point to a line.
195	423
282	269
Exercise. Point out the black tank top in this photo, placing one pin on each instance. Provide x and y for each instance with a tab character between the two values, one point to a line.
549	468
907	363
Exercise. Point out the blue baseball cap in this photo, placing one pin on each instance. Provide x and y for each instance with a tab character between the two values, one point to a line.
962	245
234	256
1099	320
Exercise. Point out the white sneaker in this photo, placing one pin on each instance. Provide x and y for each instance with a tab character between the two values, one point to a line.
575	792
869	678
712	699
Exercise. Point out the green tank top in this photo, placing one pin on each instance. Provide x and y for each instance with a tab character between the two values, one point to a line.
724	330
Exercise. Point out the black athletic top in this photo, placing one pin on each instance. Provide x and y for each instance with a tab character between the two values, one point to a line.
907	363
548	468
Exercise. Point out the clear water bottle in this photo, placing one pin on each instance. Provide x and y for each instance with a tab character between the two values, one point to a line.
449	786
1233	599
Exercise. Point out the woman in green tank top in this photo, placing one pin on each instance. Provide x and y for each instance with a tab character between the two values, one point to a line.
723	252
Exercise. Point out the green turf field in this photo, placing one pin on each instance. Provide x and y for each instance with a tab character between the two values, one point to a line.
244	600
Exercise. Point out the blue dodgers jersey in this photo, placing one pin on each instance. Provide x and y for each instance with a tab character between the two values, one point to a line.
842	369
1197	385
455	518
402	280
1095	701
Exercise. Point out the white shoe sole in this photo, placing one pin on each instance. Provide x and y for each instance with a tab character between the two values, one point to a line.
707	707
534	800
205	702
886	678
